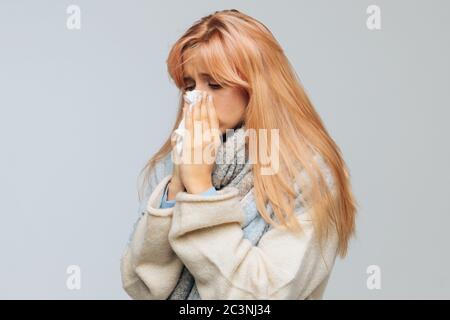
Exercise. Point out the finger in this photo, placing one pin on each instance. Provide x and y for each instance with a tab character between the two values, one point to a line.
188	118
197	108
213	121
205	122
197	123
186	153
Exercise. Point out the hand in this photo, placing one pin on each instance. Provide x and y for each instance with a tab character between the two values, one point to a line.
200	144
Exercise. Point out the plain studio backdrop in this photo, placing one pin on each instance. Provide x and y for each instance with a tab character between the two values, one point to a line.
82	110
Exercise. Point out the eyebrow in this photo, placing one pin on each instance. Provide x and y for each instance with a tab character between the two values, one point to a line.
204	75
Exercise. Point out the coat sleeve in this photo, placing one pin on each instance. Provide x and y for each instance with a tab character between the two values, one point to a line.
207	236
150	268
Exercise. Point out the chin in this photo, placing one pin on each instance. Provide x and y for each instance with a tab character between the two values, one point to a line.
222	128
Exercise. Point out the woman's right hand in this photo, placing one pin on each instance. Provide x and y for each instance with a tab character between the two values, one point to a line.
175	184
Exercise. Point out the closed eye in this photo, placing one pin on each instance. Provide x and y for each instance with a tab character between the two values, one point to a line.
211	85
215	86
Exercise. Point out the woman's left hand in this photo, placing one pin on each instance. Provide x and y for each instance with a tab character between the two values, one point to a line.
200	144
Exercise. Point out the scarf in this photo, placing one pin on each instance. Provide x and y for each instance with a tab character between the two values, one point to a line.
232	168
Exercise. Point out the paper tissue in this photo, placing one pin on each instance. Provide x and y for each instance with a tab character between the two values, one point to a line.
191	97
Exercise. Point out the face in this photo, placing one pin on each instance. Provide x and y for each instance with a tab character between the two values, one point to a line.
230	102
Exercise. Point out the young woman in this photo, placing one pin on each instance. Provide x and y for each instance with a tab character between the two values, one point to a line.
233	229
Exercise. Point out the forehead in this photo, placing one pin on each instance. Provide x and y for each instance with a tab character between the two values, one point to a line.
194	67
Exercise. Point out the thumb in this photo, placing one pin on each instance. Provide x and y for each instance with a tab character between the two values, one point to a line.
176	159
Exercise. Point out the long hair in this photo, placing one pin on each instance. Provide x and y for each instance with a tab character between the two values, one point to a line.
240	51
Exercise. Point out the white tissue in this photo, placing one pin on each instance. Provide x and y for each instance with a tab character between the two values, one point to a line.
191	97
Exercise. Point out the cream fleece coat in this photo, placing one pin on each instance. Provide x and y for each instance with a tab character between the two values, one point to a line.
204	233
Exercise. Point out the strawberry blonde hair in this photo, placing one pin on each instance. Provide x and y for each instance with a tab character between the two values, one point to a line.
238	50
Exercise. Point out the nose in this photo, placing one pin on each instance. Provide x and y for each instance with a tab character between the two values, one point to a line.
204	87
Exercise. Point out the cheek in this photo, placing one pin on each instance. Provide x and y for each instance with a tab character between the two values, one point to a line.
226	112
222	109
229	110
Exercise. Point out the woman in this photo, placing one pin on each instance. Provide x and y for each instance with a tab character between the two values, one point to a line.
234	229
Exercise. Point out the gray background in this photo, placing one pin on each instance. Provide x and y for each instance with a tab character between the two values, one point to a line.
82	111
